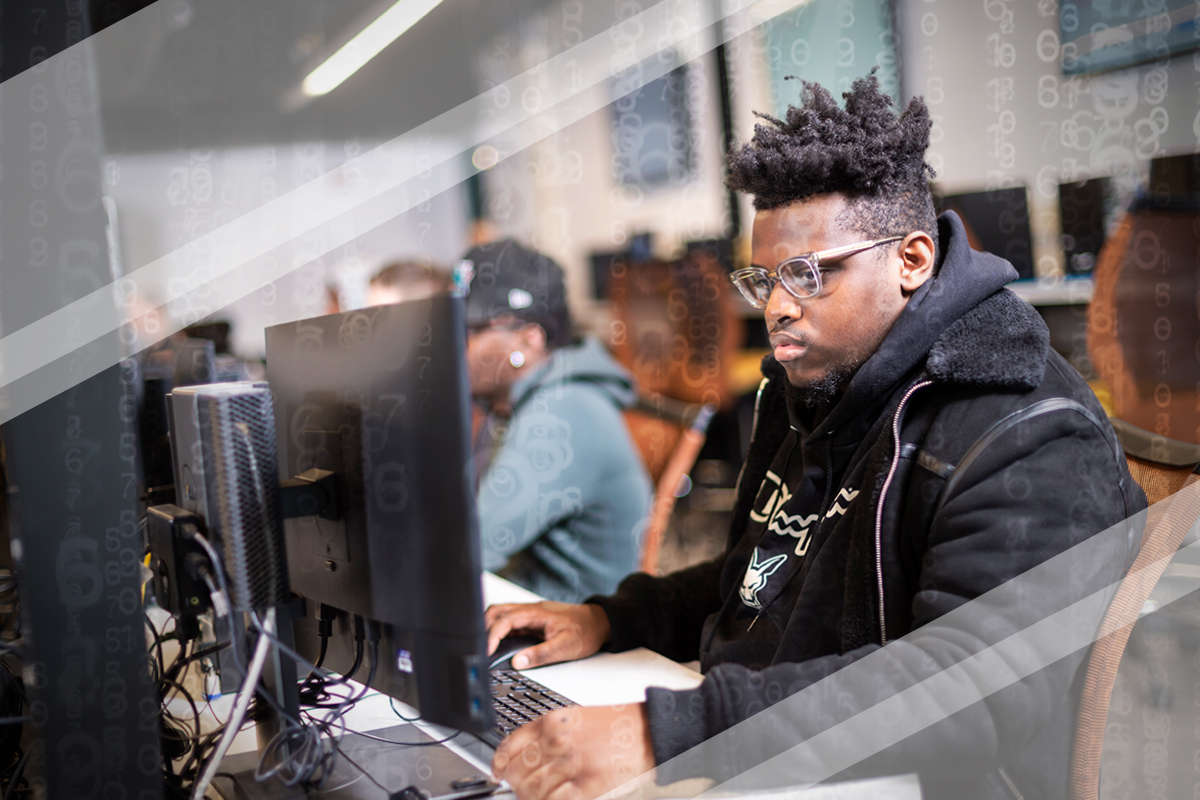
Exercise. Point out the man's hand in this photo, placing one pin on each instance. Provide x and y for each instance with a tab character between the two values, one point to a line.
571	631
576	753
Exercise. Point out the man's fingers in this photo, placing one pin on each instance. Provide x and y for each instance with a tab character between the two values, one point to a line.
491	613
507	760
496	631
544	780
501	621
567	790
515	618
548	652
545	765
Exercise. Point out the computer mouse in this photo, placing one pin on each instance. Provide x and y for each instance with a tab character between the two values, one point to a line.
511	645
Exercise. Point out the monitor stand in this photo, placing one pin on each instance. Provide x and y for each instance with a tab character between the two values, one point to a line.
431	767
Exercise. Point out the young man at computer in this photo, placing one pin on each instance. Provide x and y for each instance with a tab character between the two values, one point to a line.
563	494
916	445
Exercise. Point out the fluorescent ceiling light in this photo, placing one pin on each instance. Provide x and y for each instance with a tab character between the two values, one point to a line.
366	45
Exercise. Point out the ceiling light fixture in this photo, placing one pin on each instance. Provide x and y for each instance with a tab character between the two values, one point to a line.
351	57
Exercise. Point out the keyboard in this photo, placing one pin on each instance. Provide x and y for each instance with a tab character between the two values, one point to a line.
516	700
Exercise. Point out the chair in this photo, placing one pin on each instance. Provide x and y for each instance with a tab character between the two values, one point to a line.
693	418
675	328
1162	467
1143	330
1144	322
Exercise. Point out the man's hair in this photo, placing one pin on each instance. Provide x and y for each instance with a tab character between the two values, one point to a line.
867	151
407	273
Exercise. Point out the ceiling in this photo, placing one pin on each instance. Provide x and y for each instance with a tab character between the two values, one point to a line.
184	74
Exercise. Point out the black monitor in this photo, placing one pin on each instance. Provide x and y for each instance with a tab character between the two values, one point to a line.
379	397
997	222
1084	208
1174	183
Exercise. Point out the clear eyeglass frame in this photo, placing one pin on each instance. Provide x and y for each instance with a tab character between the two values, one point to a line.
800	275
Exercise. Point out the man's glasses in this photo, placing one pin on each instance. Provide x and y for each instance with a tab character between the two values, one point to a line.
801	275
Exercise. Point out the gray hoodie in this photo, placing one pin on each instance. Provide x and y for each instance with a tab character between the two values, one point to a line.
564	497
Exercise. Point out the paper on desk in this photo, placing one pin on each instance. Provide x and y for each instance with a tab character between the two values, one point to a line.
497	590
609	679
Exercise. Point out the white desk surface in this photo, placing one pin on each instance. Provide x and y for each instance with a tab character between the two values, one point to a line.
603	679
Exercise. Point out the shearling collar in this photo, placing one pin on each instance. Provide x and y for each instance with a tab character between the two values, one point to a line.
1002	343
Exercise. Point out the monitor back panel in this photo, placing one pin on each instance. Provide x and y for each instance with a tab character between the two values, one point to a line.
380	397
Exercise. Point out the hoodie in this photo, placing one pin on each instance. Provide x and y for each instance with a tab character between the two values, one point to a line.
564	496
963	453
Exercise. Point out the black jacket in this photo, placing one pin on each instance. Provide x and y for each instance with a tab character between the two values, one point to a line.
1005	461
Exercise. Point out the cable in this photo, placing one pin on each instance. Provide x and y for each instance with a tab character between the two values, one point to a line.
358	767
240	705
359	635
186	695
309	758
396	711
18	774
157	643
180	657
430	743
326	614
219	567
198	655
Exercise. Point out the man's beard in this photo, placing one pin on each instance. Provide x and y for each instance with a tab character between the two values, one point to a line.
823	390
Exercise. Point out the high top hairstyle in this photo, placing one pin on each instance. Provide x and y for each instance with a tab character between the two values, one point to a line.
867	151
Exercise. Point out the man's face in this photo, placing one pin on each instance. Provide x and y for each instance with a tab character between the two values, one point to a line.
833	333
489	367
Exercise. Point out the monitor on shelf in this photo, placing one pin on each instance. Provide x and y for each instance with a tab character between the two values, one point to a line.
379	398
1084	208
997	221
1174	181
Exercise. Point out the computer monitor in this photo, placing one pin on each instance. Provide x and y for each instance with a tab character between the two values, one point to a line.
1084	209
997	222
1174	183
379	397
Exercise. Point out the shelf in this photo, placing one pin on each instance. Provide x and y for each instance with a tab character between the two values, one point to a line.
1054	292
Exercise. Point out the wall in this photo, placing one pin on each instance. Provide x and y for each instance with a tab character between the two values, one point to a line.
1004	115
562	195
167	199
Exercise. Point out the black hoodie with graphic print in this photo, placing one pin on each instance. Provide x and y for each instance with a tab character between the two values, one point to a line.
837	547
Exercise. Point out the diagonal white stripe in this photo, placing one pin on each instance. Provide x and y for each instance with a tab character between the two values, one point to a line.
1065	624
236	259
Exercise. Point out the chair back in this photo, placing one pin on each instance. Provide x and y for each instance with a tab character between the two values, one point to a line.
1144	320
693	418
1163	468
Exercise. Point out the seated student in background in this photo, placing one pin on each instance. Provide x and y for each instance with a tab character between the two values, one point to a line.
406	280
563	494
916	445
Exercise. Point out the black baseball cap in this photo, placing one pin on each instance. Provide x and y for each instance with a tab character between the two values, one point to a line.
504	279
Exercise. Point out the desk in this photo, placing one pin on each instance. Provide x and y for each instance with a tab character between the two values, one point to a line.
603	679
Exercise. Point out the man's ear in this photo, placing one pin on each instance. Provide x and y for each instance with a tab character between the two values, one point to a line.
916	261
533	336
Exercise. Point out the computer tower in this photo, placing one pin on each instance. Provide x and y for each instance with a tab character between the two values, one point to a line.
194	492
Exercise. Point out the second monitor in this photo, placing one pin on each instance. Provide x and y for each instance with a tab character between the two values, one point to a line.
380	398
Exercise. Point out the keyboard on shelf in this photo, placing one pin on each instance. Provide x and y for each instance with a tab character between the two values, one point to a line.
516	700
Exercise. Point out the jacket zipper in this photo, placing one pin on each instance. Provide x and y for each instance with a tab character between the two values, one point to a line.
882	497
762	387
